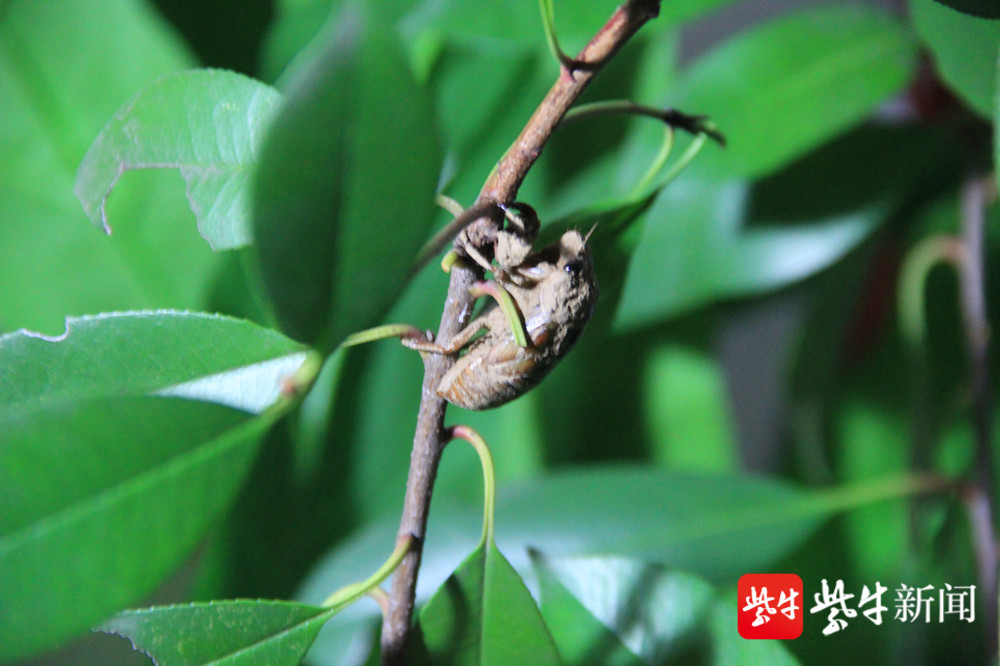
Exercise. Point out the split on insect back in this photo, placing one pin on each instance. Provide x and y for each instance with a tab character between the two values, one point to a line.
541	302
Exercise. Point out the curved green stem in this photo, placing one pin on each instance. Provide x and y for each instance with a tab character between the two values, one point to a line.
549	24
299	383
507	306
658	162
381	597
351	593
489	476
702	129
923	258
689	154
381	333
689	123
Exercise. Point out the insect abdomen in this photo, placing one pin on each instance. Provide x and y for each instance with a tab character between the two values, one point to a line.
473	384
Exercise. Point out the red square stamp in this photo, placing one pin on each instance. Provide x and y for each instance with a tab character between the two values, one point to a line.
769	606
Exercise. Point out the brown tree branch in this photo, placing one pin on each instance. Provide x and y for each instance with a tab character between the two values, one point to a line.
972	288
501	186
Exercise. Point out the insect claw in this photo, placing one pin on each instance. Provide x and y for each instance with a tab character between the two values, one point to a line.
478	258
522	219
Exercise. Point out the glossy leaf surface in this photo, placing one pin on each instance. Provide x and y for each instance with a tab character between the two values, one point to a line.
717	527
141	353
343	198
619	610
210	125
704	240
222	632
64	69
785	87
102	500
964	48
108	483
483	614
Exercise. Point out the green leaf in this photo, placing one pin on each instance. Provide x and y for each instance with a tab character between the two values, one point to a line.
109	479
873	443
717	527
653	612
580	637
704	241
517	23
731	648
200	356
344	194
662	616
102	499
702	523
294	24
695	249
222	632
980	8
785	87
678	11
687	402
64	69
964	49
483	614
467	120
210	125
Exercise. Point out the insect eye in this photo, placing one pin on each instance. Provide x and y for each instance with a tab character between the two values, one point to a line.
573	267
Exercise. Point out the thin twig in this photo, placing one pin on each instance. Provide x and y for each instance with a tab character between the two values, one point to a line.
979	509
973	302
501	186
672	117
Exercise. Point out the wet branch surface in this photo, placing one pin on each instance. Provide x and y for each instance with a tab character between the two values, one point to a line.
501	186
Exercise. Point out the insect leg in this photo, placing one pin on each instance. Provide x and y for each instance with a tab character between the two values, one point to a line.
521	220
380	333
460	339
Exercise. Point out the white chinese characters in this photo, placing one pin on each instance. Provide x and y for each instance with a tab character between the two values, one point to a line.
762	603
911	604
